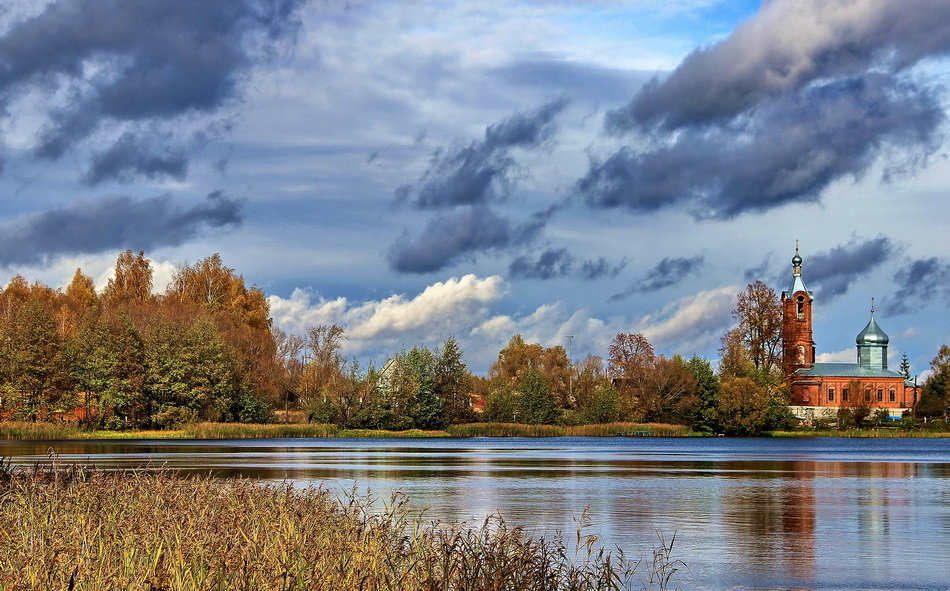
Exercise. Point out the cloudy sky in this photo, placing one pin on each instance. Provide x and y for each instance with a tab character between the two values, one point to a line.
477	168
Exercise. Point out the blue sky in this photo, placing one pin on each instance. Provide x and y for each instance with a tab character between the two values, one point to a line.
419	170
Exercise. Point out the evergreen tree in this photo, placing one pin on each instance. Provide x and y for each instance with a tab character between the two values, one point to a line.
603	405
425	406
905	366
536	404
453	384
501	405
707	390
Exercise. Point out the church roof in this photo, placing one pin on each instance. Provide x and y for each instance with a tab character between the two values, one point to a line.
872	334
846	370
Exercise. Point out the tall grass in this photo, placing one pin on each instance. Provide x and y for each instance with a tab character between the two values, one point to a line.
601	430
250	431
82	530
27	430
858	433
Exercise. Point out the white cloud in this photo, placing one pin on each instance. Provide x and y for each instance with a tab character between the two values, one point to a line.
441	310
693	323
843	356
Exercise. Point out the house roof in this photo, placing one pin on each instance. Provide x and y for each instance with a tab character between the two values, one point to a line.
846	370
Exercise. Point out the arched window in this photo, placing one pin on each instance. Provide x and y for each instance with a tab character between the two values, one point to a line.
801	308
880	394
892	395
831	394
867	395
844	394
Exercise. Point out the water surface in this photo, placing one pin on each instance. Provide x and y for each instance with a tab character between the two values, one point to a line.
821	513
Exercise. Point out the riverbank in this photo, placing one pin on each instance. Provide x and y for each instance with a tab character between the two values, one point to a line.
73	528
69	431
66	431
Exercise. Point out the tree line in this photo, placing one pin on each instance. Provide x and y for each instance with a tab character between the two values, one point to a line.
205	350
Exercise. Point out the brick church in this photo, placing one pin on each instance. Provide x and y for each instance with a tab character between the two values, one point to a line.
819	389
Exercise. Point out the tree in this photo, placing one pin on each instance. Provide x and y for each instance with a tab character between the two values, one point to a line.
425	406
603	406
501	405
935	395
760	324
630	355
536	404
905	366
707	393
734	358
666	392
518	357
453	383
132	281
743	407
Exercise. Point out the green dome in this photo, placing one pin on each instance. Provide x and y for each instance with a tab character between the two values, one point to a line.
872	335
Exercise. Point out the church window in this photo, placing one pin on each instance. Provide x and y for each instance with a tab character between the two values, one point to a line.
801	308
867	395
831	394
892	395
880	395
844	394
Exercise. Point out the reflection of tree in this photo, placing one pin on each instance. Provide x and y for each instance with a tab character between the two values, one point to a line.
773	526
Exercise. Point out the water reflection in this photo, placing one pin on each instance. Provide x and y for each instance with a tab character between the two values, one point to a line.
786	514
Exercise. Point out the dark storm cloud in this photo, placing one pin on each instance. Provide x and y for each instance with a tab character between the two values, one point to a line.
455	235
131	156
482	171
920	281
554	263
789	151
109	223
666	273
787	45
135	60
831	273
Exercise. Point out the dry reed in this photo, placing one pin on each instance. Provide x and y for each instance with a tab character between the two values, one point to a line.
79	529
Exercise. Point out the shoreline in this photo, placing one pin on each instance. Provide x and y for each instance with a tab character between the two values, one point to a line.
224	431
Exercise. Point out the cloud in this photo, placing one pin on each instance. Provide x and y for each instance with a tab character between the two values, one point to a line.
693	323
439	311
835	270
458	234
482	171
829	131
581	80
842	356
106	63
920	282
131	156
554	263
109	223
666	273
787	45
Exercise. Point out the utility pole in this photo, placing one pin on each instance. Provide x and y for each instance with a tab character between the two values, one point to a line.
570	368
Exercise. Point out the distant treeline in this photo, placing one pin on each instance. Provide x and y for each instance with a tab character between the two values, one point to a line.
205	350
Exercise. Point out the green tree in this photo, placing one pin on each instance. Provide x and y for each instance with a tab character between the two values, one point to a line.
935	394
425	406
453	384
707	393
536	404
603	405
501	405
743	406
905	366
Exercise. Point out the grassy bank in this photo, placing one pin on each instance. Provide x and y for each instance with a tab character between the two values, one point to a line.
59	431
868	433
82	530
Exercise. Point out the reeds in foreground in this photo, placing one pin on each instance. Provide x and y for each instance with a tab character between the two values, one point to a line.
79	529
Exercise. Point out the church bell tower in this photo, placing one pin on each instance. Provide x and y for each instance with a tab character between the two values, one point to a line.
798	348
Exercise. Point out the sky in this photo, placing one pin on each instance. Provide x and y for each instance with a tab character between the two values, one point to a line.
424	169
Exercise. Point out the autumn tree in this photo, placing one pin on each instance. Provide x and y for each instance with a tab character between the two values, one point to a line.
734	360
132	281
518	357
760	324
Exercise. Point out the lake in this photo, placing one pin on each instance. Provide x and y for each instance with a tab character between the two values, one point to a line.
823	513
